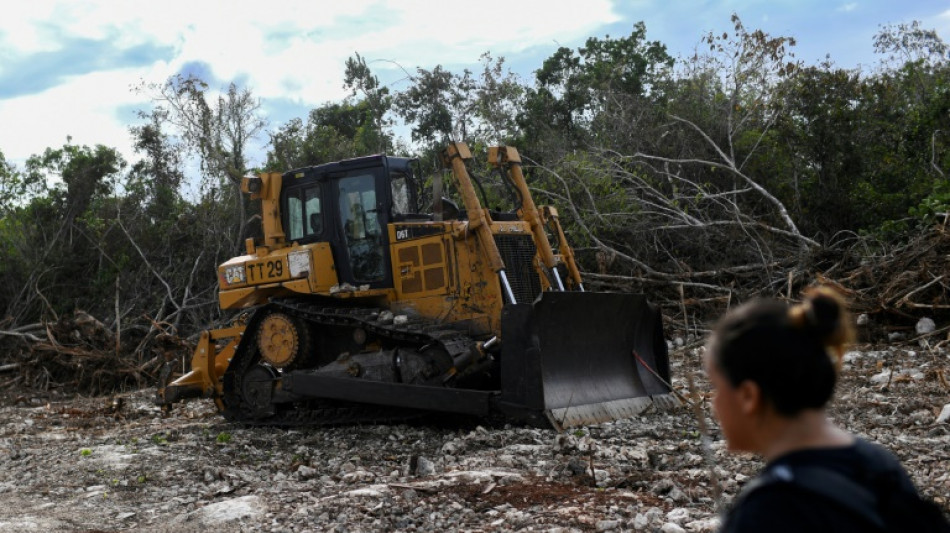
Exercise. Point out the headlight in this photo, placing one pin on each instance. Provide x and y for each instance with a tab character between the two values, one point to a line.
299	263
234	274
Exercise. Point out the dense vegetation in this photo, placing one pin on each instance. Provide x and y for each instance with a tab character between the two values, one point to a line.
716	174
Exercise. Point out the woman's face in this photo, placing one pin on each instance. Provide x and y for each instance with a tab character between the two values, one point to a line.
728	408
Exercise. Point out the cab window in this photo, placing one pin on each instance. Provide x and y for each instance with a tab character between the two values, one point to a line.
401	192
360	222
304	215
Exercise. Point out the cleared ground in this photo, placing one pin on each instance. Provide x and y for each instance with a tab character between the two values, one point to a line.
73	463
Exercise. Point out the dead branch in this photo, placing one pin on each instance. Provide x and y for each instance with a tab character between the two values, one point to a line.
933	154
118	322
36	289
13	333
780	208
905	300
151	268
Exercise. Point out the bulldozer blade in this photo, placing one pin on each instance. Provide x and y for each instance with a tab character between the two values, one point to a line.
583	358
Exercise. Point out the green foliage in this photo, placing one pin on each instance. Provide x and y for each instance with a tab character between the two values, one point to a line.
373	132
934	206
603	67
15	187
641	156
435	105
87	174
861	152
47	227
155	179
499	98
575	87
442	106
214	127
357	126
223	438
332	132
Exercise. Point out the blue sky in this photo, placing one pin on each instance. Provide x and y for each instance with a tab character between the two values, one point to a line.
67	67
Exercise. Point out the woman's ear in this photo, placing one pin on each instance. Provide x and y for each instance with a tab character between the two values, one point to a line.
749	396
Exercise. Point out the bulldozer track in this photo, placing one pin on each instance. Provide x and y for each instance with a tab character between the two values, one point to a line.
319	414
414	332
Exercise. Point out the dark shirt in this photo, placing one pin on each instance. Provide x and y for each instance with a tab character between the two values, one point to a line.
785	507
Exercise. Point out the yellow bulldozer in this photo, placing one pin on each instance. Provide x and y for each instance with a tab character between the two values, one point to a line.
363	307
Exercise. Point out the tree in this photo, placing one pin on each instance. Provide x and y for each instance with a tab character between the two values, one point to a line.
373	129
156	179
498	100
574	89
675	191
731	125
438	106
864	150
333	131
15	187
87	173
51	236
904	45
912	104
357	126
217	130
820	137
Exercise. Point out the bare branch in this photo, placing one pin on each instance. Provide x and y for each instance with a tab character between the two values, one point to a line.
148	263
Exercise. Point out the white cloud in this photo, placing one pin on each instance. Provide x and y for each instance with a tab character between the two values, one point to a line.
847	8
942	24
318	40
20	29
84	109
237	39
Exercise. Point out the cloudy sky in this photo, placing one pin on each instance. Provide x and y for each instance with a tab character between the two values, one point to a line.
67	67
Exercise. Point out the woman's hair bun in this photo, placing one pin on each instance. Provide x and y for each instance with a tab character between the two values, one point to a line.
824	314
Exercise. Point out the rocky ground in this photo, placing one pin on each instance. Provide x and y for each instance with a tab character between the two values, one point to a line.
116	464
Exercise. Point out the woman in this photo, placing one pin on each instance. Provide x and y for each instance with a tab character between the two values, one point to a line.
774	370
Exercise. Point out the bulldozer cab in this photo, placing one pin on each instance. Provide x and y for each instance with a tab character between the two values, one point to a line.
349	205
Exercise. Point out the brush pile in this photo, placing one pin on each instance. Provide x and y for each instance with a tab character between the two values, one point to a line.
79	354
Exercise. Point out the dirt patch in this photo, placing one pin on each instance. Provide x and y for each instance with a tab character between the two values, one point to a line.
539	492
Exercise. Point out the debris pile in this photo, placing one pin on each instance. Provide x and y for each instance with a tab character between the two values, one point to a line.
79	354
905	281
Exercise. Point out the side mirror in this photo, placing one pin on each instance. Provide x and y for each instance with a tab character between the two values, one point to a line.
251	185
448	208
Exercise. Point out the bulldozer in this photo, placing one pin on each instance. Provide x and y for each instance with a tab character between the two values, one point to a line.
358	305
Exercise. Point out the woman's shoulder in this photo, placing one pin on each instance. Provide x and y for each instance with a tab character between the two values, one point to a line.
863	461
875	454
803	490
786	507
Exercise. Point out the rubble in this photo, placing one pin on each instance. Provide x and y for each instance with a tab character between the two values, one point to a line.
76	463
